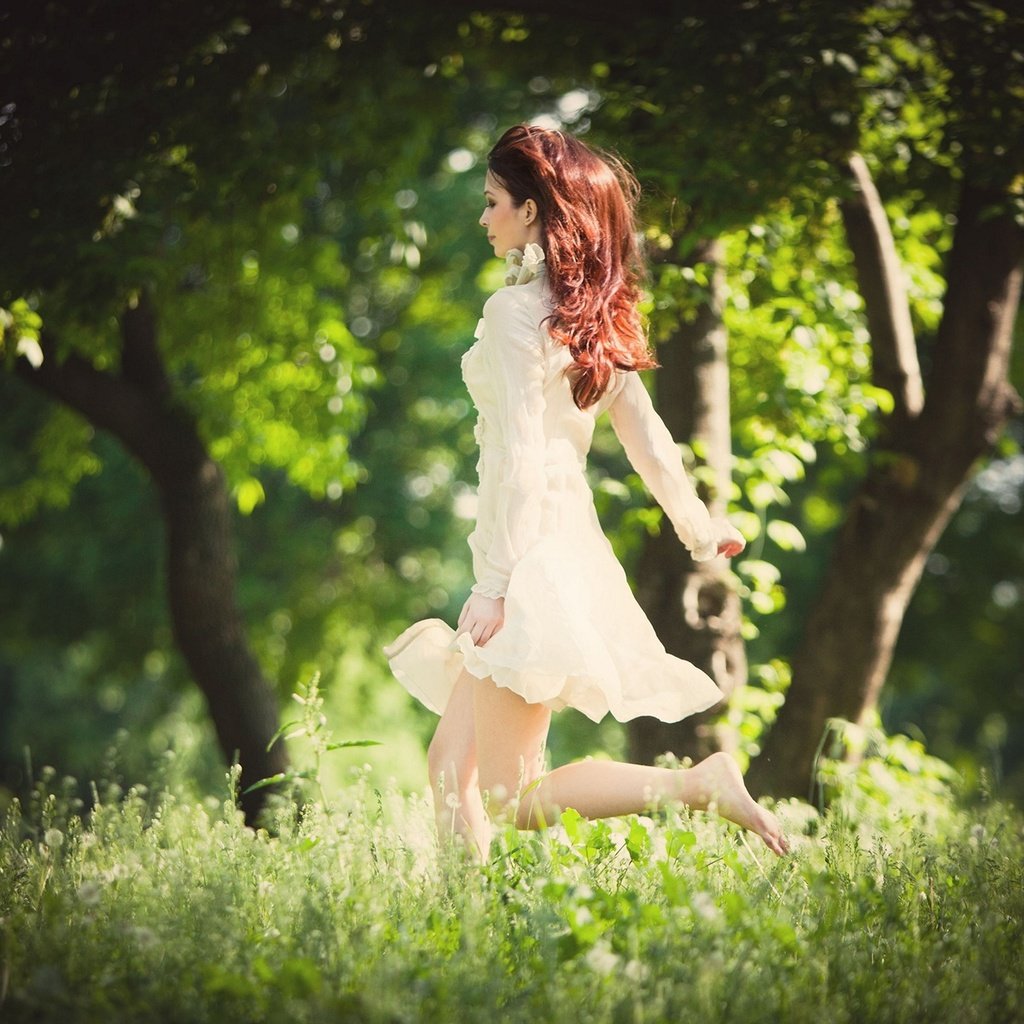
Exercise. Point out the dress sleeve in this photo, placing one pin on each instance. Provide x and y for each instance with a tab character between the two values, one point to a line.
515	349
654	454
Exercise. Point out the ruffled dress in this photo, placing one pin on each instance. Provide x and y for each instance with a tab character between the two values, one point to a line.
573	635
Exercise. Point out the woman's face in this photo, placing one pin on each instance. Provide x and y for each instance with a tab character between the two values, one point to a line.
508	226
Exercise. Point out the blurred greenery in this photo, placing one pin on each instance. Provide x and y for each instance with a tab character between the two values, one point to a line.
299	189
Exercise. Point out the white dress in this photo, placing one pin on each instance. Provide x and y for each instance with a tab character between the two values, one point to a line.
574	635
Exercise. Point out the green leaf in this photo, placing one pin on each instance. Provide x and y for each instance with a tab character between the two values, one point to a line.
679	841
761	573
762	602
786	535
272	780
880	396
248	494
748	523
572	822
280	732
638	842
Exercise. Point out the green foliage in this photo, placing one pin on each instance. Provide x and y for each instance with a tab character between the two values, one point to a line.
868	766
792	294
944	82
896	905
55	453
252	206
279	248
776	119
311	726
754	707
19	333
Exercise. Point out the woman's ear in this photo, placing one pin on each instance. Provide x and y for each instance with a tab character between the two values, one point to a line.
530	208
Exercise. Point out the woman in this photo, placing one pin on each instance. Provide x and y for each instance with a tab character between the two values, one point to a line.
551	621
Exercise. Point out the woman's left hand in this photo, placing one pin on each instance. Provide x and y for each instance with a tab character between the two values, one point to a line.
481	618
730	541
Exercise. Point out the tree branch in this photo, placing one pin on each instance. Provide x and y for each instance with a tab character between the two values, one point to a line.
906	499
894	352
110	402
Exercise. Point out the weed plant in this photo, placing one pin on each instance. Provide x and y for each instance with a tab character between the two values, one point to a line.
897	904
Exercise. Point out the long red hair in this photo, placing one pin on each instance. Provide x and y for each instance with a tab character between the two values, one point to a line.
586	202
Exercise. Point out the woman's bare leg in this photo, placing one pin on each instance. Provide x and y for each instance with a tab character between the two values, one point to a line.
510	739
602	789
451	760
510	734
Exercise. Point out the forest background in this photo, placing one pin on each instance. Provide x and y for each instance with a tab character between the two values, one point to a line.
241	263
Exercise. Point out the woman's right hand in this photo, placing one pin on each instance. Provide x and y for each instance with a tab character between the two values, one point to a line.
730	541
481	617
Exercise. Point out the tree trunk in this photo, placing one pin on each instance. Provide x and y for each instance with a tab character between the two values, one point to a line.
208	627
694	610
137	407
915	481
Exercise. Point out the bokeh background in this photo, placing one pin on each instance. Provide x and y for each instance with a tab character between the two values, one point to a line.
263	217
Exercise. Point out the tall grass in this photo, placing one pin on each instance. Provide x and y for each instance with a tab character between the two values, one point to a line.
896	905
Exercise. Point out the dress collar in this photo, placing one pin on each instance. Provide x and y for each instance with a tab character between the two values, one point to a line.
522	265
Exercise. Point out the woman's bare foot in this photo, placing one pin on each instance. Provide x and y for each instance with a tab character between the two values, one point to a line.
718	782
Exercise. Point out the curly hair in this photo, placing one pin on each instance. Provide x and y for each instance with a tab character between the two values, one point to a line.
586	201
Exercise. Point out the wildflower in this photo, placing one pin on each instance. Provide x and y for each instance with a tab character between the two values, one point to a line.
704	906
601	959
89	893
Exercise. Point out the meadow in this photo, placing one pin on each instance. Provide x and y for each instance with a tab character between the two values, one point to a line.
901	901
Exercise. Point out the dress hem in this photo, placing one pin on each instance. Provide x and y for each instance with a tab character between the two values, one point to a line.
428	658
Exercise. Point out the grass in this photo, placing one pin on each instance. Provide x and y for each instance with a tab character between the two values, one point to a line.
897	905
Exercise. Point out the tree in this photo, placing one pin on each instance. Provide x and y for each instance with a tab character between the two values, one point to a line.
944	418
173	208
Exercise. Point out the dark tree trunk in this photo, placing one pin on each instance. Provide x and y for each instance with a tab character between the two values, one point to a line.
137	407
916	477
208	626
694	611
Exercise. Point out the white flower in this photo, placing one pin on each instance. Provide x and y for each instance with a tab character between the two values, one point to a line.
53	838
704	906
89	893
523	265
636	971
145	938
533	257
601	959
29	348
